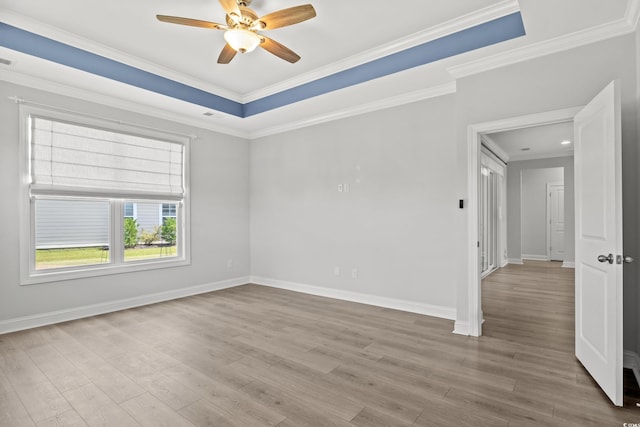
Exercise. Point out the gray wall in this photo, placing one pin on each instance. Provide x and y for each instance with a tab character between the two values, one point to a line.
395	225
531	239
562	80
219	216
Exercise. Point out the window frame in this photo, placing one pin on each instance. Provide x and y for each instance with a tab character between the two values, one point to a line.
117	265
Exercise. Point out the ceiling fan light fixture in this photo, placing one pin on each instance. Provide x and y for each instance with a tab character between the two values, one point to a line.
242	40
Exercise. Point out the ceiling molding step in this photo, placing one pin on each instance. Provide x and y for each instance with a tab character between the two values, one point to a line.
382	104
544	48
450	27
493	146
76	41
114	102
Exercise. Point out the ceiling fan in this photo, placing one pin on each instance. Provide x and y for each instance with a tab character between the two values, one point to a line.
243	24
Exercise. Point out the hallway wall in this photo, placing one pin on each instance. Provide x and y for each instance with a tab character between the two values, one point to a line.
527	208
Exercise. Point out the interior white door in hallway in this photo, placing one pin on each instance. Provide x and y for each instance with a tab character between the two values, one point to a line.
555	222
599	260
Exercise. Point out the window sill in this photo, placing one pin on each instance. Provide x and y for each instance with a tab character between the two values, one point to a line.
100	270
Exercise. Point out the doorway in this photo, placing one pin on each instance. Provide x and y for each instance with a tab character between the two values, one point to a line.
598	204
473	325
556	222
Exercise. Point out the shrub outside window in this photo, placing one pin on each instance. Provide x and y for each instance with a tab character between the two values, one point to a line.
92	193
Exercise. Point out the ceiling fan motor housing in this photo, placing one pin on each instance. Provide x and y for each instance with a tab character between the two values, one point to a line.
246	20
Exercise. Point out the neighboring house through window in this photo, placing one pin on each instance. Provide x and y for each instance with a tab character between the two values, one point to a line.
168	211
129	210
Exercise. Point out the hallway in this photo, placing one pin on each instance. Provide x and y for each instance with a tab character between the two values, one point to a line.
531	304
532	307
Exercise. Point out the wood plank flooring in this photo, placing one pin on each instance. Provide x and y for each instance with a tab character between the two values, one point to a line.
255	356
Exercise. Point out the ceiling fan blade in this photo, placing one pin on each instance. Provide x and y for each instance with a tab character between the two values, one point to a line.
279	50
226	55
191	22
232	9
285	17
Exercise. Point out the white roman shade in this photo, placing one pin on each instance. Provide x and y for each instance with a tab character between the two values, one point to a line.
73	159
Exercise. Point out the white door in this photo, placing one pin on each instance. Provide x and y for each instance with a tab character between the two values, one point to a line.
555	221
598	199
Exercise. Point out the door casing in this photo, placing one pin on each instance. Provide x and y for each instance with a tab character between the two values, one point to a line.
472	325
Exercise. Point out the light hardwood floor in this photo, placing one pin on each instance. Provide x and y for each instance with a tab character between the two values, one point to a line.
255	356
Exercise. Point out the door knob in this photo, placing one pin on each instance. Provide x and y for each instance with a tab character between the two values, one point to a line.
604	258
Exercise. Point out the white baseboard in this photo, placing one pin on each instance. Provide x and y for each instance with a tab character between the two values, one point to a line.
397	304
632	361
27	322
568	264
461	328
535	257
517	261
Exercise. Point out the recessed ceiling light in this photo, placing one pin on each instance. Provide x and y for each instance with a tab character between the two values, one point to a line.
525	149
565	142
208	114
4	61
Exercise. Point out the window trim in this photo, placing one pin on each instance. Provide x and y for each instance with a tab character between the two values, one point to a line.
28	274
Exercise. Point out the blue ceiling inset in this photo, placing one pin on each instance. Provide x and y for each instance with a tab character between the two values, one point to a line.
488	33
33	44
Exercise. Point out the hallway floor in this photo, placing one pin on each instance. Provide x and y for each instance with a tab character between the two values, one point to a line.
532	305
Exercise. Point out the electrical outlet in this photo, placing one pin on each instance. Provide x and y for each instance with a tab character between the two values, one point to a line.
230	263
336	271
340	188
354	273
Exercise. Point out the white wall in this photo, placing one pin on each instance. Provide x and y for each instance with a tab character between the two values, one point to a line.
534	209
562	80
219	218
516	196
396	225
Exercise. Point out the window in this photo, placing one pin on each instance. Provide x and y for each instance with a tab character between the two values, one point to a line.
91	197
129	210
168	211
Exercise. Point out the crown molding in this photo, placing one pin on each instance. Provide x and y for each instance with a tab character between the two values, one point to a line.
584	37
470	20
71	39
114	102
385	103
